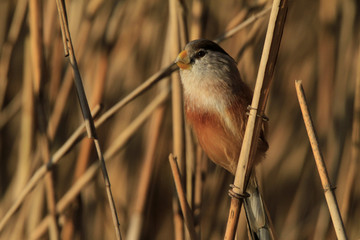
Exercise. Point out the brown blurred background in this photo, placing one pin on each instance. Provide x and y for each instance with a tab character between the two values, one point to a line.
118	45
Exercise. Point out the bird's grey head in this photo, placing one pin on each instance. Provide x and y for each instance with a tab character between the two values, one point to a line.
206	69
204	59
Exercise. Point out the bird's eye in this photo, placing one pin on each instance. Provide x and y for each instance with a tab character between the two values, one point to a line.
200	54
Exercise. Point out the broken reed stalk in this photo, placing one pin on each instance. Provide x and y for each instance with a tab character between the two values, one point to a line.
328	189
185	208
89	123
261	91
77	134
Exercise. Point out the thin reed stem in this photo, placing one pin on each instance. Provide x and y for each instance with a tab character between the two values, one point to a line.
262	87
185	208
325	181
89	122
242	25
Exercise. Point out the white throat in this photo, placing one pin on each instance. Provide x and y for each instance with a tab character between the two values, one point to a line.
200	93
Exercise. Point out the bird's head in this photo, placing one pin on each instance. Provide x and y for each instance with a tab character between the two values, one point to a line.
198	52
208	74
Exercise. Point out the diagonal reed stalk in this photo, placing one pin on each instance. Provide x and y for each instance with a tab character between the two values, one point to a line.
261	91
89	122
325	181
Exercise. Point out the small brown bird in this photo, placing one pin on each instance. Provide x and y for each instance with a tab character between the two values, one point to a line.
216	102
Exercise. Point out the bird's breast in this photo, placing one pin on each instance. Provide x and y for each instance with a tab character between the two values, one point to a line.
220	145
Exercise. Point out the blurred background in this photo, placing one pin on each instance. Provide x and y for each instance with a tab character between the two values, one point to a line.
118	45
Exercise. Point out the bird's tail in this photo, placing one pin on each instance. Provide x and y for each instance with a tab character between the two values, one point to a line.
256	213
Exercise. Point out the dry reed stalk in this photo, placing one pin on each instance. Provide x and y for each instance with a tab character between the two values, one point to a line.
290	228
183	32
36	42
10	110
190	153
261	91
67	83
193	182
34	207
198	188
336	136
247	22
91	171
343	69
55	70
26	130
69	52
86	145
28	216
136	220
50	26
89	123
127	133
196	19
138	91
328	189
177	109
327	50
96	98
185	208
147	168
63	93
217	203
4	16
238	19
355	147
8	47
35	19
190	162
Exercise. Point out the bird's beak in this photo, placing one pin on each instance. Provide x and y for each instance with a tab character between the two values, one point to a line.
183	60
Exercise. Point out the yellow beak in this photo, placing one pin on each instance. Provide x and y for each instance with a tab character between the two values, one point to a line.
183	60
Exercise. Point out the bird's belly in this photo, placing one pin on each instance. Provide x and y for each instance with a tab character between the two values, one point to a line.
220	146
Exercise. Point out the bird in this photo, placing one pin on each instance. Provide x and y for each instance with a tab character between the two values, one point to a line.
216	102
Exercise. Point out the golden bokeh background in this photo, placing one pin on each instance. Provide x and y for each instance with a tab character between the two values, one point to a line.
118	45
